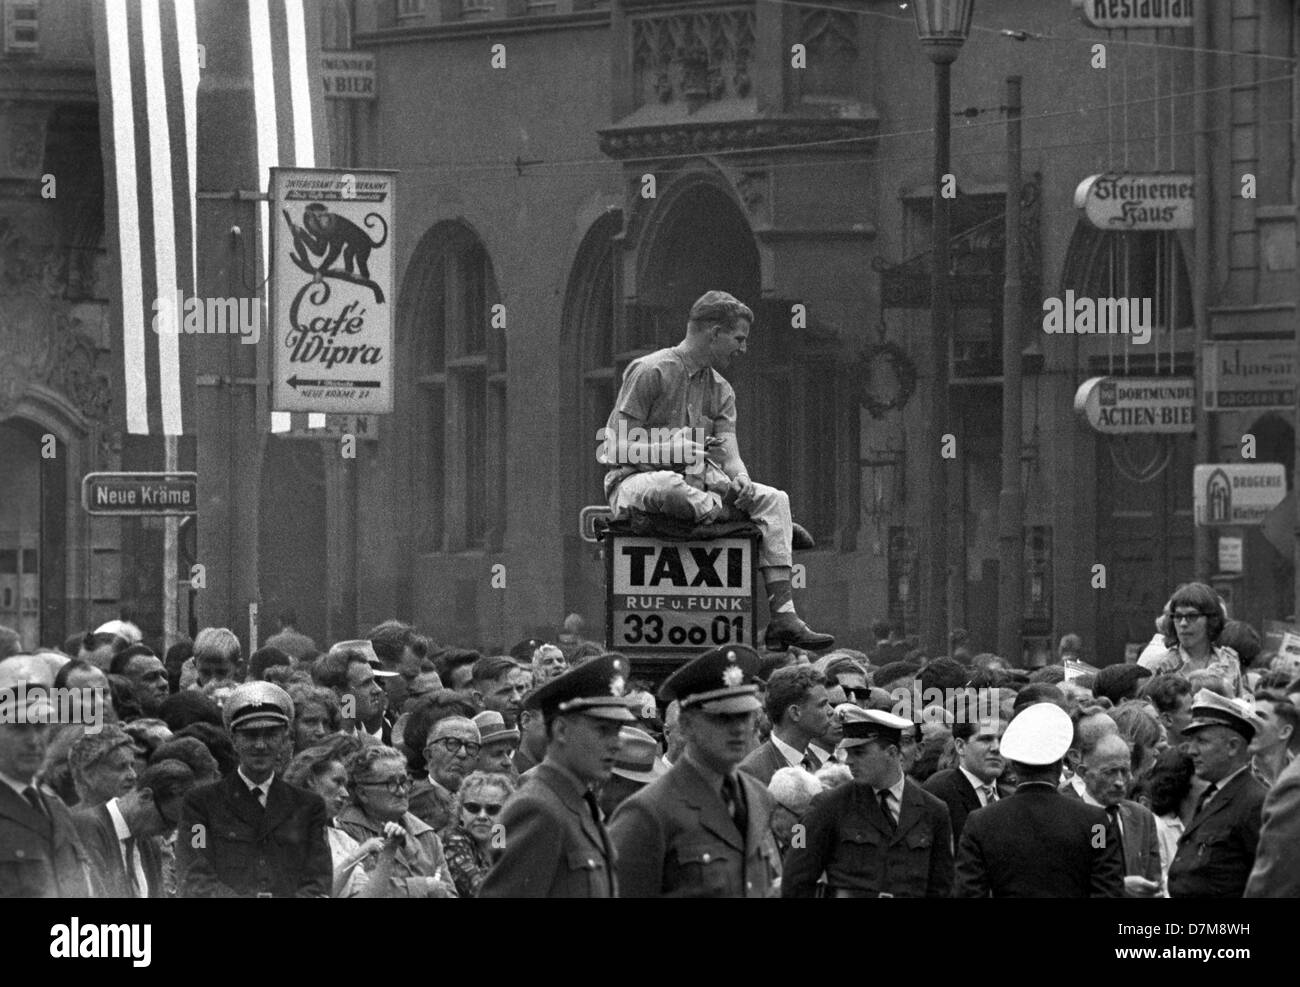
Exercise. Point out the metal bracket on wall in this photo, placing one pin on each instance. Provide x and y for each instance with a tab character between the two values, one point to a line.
222	380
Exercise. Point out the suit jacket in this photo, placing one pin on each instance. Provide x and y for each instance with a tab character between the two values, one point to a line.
676	839
1277	864
1140	839
40	856
957	793
106	864
1039	843
228	846
554	846
764	761
862	855
1217	850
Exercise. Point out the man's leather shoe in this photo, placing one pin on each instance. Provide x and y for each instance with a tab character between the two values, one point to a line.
801	540
787	629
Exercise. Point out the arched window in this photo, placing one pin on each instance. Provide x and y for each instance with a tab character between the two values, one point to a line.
460	413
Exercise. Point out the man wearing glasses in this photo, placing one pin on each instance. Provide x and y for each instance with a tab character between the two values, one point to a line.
251	835
556	845
451	752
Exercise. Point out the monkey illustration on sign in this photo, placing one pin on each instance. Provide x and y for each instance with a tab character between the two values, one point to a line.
335	236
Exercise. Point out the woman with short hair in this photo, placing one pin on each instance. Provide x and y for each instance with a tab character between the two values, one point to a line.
468	840
316	715
1193	620
380	790
321	770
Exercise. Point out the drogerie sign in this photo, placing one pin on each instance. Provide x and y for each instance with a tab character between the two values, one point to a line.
140	494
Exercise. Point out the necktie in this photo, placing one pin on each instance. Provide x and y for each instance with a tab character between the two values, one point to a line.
810	762
885	810
990	794
735	803
128	852
1113	812
34	800
259	793
594	806
1205	797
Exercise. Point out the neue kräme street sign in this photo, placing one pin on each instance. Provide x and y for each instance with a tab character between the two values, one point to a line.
332	290
1237	493
141	494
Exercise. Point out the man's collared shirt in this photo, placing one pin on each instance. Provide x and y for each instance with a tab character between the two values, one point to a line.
895	797
18	786
981	787
792	757
1222	784
132	862
1077	783
260	791
667	389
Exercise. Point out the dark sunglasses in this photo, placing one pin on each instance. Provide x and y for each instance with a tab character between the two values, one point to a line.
474	808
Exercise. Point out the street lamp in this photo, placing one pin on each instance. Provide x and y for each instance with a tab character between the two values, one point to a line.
942	26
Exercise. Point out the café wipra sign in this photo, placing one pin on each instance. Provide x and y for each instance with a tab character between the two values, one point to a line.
1138	405
1161	201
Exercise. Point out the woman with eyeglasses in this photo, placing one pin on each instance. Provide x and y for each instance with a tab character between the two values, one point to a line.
468	842
1193	619
380	789
321	770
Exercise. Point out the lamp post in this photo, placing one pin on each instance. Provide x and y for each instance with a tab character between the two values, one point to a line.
942	26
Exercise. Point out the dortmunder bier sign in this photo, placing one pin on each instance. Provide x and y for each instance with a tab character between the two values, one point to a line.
1137	202
1138	13
332	290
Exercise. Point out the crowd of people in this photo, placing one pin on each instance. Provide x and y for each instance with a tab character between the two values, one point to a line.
387	766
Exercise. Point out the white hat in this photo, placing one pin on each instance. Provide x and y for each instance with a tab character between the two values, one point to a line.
863	725
122	628
1040	734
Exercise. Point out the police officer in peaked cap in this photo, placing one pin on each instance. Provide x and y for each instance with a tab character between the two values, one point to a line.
556	844
252	835
704	828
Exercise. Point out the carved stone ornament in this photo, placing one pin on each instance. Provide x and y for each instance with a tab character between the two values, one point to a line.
40	338
693	57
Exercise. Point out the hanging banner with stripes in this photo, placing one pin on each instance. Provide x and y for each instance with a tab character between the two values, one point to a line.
148	61
147	68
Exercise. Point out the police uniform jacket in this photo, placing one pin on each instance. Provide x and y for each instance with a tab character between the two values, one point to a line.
41	856
850	840
1217	850
554	845
675	838
228	846
1039	843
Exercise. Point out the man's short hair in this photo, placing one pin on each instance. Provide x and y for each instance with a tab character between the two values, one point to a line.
218	743
1165	692
428	711
216	642
943	673
718	308
166	778
331	668
264	658
1051	674
789	687
895	671
181	709
1119	682
1086	737
454	658
1283	709
191	752
392	638
491	668
122	659
1241	638
1038	692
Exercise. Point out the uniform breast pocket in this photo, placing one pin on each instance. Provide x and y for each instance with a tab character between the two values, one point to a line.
587	876
702	870
858	843
24	872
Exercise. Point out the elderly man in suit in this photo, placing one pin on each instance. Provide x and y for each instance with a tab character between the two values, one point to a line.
556	844
703	830
41	855
1217	849
883	836
1106	771
800	711
973	784
251	835
124	858
1277	864
1039	843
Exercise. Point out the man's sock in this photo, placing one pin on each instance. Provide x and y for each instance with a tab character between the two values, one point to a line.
780	599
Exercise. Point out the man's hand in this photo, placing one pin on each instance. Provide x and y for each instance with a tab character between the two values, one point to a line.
742	492
1137	886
